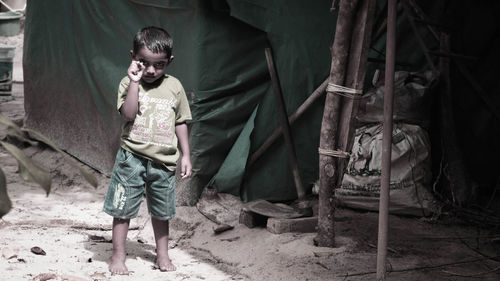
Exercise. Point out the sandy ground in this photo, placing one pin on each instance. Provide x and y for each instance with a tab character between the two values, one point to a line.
70	227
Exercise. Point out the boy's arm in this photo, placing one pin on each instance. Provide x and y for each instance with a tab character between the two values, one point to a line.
181	130
130	106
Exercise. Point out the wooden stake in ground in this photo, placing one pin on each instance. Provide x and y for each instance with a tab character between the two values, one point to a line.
349	57
383	221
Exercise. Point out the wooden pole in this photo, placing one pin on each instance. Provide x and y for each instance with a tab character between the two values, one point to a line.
291	119
327	164
287	132
383	222
349	56
356	69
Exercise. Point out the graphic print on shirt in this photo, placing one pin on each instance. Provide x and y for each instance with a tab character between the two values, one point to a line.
154	123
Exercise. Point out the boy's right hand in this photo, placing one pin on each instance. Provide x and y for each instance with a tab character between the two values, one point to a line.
135	71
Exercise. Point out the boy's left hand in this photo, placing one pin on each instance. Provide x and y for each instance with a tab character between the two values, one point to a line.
186	167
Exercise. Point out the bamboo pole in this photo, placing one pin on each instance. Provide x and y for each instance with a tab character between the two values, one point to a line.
349	56
383	223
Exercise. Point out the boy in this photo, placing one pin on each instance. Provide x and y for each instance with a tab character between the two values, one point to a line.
156	109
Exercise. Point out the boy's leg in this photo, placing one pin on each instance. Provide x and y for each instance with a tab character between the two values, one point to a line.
117	263
123	200
160	194
160	229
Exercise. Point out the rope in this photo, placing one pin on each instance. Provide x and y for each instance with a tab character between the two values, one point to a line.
334	153
344	91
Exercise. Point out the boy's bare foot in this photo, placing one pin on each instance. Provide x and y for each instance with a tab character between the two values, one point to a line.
165	264
117	265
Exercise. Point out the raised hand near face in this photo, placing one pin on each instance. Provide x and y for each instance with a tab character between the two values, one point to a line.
135	71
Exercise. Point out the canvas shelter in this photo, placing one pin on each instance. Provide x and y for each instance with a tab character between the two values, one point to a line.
76	52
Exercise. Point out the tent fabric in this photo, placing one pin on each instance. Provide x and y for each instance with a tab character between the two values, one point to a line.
76	52
292	30
75	58
230	175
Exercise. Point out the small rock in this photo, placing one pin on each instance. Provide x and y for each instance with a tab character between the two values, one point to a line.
323	254
38	251
99	239
84	259
231	239
221	228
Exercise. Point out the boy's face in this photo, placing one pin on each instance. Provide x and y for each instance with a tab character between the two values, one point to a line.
154	64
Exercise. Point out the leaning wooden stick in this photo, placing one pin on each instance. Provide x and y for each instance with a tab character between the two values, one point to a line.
319	92
285	125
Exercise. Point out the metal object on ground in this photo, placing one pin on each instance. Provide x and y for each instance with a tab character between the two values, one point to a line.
271	210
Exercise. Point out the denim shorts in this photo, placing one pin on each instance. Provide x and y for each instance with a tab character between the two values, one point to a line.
132	177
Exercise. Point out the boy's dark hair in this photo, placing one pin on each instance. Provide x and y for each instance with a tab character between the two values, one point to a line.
156	39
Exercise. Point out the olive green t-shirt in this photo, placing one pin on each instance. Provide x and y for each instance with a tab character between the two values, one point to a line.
152	133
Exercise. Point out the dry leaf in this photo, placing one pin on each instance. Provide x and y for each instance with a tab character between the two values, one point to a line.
99	276
67	277
45	277
9	254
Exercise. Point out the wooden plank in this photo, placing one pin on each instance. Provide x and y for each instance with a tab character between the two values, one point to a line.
300	225
354	79
251	219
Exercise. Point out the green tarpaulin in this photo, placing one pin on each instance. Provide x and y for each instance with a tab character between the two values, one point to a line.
76	52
